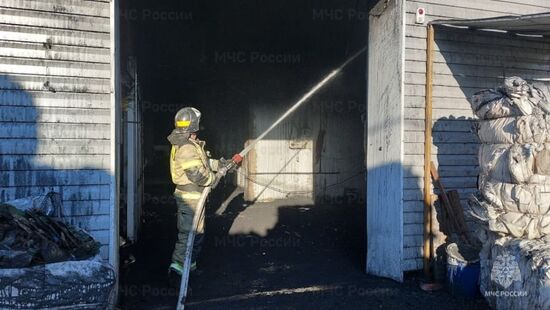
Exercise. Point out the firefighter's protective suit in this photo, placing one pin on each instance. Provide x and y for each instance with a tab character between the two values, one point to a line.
191	170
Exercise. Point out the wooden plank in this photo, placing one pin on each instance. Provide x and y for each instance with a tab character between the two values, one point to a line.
455	222
385	190
53	36
414	101
412	230
435	12
412	264
104	251
493	61
54	84
54	177
442	137
478	71
416	182
48	99
68	192
485	43
75	7
101	236
440	104
412	241
415	196
448	160
428	134
446	171
411	193
458	214
412	252
412	218
53	20
53	146
416	206
51	130
495	7
538	3
439	125
57	52
450	171
58	161
442	91
96	222
455	81
475	58
450	148
10	65
53	115
439	114
477	42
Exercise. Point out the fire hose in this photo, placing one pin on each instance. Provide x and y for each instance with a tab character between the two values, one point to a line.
233	163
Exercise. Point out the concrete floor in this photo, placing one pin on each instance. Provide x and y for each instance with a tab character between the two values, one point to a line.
279	255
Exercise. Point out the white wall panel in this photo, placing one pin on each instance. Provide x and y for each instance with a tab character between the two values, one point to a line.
55	118
464	62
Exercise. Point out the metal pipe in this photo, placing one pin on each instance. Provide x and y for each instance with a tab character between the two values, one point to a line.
427	255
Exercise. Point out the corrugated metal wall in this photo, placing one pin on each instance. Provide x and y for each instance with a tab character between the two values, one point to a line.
55	106
464	63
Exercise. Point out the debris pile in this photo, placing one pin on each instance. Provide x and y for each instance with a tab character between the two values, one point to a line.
45	263
513	203
31	237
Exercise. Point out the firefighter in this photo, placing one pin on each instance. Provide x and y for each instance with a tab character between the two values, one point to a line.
192	170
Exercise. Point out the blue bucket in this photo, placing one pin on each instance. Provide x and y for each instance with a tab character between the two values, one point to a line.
463	271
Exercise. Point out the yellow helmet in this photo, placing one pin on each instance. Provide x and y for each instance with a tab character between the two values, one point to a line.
187	120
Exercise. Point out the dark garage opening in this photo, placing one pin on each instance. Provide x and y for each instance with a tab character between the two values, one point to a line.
300	223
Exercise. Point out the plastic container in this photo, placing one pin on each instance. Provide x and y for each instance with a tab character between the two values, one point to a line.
463	271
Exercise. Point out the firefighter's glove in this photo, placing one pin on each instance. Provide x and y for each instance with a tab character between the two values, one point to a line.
222	171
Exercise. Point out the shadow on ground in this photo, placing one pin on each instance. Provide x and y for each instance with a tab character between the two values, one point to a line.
280	255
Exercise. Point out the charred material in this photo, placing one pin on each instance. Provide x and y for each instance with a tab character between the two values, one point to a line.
31	237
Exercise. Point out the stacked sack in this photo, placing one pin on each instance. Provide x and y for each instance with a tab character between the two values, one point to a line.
514	188
514	159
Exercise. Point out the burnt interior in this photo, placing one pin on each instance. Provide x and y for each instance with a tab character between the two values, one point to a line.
224	57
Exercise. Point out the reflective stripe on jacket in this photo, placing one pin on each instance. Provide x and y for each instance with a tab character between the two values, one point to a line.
189	164
188	195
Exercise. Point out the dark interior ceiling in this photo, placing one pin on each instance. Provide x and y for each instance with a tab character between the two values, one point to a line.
202	53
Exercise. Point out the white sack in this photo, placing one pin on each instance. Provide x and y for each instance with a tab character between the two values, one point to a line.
510	130
516	210
515	273
515	98
513	163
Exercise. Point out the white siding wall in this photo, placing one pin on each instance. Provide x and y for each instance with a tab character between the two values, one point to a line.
55	106
464	63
